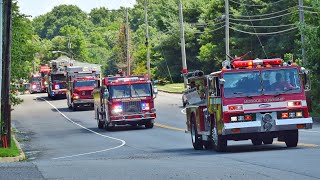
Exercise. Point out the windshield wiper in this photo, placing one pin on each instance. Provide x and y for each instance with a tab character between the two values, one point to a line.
285	91
135	91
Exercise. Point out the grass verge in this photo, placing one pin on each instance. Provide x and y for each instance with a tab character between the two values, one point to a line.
172	88
10	152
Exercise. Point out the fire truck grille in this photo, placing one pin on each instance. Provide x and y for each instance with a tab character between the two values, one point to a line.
132	107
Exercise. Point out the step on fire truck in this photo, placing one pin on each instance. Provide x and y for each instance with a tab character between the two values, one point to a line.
81	82
125	100
44	70
256	100
57	79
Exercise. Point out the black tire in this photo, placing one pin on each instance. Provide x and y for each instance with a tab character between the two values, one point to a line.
100	124
149	125
74	107
256	141
268	140
108	127
208	145
291	138
220	142
195	138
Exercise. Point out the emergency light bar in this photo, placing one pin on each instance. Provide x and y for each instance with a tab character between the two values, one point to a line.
125	79
250	63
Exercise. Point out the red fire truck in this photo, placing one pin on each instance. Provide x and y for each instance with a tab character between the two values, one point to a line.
256	100
35	83
44	70
81	82
57	79
124	100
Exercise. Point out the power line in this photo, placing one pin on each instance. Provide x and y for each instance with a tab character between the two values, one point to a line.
210	30
208	24
264	51
261	15
250	5
262	19
277	26
270	33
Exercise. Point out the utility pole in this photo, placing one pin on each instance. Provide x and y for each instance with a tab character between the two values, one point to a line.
147	37
227	29
1	30
128	46
301	18
6	108
183	44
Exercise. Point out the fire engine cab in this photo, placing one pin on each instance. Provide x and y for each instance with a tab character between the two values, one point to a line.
35	83
256	100
81	82
44	70
125	100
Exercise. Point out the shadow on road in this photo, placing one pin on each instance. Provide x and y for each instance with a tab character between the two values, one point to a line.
232	149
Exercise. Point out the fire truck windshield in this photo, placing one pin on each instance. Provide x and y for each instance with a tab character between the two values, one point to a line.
85	83
264	82
140	90
281	81
35	79
239	84
58	77
126	91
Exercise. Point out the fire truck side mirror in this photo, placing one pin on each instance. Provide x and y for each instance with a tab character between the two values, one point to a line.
222	81
106	93
306	79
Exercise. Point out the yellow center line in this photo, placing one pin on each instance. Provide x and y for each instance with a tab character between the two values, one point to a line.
169	127
277	142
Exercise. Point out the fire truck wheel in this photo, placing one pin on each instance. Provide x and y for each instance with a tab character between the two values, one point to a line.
149	125
256	141
220	141
196	141
291	138
100	124
74	107
267	140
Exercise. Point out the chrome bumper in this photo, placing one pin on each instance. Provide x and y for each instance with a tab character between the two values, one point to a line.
259	126
83	101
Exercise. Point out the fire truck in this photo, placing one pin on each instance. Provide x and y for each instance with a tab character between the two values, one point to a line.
44	70
81	82
57	79
256	100
123	100
35	83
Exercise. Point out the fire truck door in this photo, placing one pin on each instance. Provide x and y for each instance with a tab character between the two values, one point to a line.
215	102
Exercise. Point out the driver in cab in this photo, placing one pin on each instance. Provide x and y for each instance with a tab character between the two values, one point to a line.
280	84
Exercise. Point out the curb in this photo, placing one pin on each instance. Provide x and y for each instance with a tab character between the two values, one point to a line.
169	92
21	157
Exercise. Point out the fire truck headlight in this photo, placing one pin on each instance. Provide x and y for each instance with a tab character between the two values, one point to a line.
45	83
34	86
117	109
76	96
56	86
234	118
298	114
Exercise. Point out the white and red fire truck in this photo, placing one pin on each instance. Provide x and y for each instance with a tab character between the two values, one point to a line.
81	82
256	100
57	79
44	70
125	100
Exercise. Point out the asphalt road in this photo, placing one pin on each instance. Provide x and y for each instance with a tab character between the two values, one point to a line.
61	144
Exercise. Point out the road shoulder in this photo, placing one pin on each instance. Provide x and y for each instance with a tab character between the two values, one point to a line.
21	157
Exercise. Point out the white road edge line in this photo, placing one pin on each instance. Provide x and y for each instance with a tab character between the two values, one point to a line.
76	155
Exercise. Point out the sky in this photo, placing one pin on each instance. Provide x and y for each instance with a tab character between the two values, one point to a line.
39	7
